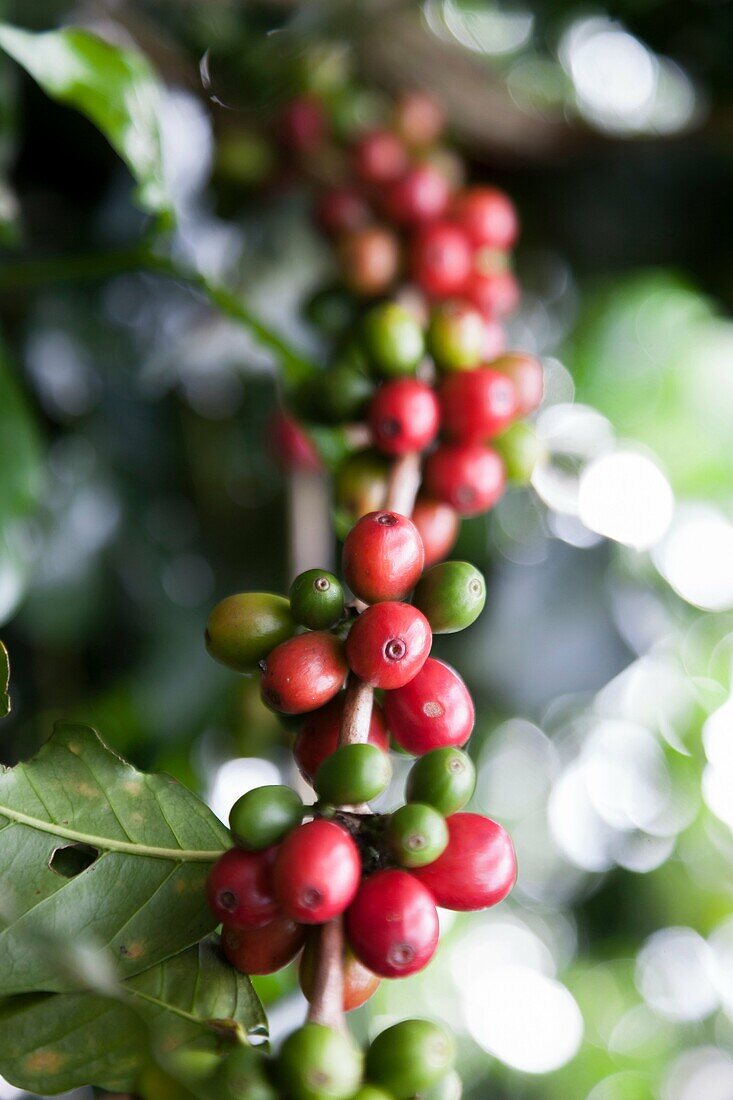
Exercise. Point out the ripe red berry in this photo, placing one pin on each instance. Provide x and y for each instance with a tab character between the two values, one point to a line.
527	375
383	557
476	870
392	925
468	476
388	644
359	983
433	711
440	259
319	737
369	259
494	293
403	416
488	216
418	119
438	525
303	124
379	157
304	672
292	448
240	889
419	196
263	950
477	405
317	872
340	209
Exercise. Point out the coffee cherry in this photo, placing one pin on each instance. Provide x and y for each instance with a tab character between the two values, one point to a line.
419	196
240	890
304	672
494	339
444	778
432	711
438	525
383	557
477	405
520	450
316	872
317	1063
451	596
527	376
388	644
292	448
360	484
494	293
410	1057
316	599
403	416
331	310
240	1073
393	340
352	774
319	736
449	1087
242	629
392	925
468	476
342	393
371	1092
302	124
418	119
488	216
263	950
359	983
369	260
417	834
456	335
477	869
441	259
379	157
263	816
341	209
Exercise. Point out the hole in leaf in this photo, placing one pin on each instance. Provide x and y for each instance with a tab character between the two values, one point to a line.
72	859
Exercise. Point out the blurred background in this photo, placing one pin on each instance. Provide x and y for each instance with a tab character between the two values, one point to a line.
137	484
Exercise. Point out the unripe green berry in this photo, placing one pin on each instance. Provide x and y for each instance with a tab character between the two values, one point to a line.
417	834
371	1092
393	339
444	778
155	1084
354	773
318	1063
316	599
456	336
360	486
410	1057
449	1087
242	629
243	1073
451	596
331	310
520	450
263	816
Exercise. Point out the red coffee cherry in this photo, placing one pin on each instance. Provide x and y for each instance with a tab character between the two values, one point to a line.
433	711
488	216
303	124
304	672
494	293
403	416
527	376
467	476
369	259
319	737
440	259
317	872
359	983
383	557
477	405
418	119
379	157
341	209
263	950
388	644
240	889
438	525
477	869
392	925
292	448
419	196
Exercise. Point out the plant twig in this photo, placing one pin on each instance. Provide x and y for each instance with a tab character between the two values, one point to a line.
357	712
403	485
326	1005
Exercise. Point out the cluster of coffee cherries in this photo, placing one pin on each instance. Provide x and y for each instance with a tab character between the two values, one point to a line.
415	317
294	867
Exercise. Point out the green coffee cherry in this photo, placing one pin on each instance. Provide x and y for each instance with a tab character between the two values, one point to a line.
243	629
417	834
155	1084
410	1057
263	816
360	485
370	1092
331	310
316	599
449	1087
242	1073
344	392
354	773
393	339
317	1063
442	778
456	335
520	450
451	596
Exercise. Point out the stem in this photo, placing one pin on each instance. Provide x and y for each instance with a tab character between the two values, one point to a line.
326	1006
357	712
310	539
403	485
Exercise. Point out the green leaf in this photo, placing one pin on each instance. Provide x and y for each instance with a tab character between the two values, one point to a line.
58	1041
4	682
117	89
137	849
